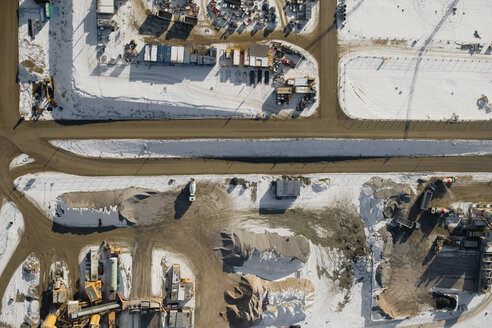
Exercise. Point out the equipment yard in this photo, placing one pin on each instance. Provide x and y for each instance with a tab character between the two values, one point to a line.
245	163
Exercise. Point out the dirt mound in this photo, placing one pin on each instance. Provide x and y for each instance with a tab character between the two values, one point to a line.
239	245
146	207
397	204
252	298
385	188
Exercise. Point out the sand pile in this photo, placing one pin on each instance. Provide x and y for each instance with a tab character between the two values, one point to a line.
145	206
255	299
267	255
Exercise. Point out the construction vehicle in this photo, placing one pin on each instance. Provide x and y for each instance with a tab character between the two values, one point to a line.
449	180
50	90
112	250
192	190
439	210
50	321
93	291
94	323
437	245
427	197
407	223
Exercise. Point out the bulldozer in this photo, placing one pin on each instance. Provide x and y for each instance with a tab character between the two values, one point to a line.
437	245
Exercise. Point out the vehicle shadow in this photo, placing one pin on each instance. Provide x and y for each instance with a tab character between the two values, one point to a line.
182	203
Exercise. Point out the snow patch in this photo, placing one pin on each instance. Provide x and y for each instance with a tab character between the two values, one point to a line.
227	148
20	160
11	228
20	302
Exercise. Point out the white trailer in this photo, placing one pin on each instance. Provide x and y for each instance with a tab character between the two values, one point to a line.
153	54
147	52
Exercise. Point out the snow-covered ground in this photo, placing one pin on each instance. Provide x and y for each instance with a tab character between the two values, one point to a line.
20	302
420	20
11	227
416	60
20	160
88	90
415	87
227	148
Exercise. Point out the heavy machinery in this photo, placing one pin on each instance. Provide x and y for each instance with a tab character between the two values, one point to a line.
94	322
50	321
439	210
449	180
437	245
93	290
50	90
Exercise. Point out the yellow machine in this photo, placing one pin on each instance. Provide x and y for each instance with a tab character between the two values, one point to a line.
93	290
50	90
94	323
50	321
112	319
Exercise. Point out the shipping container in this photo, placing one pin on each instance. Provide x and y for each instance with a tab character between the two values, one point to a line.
174	55
236	57
180	54
47	8
153	54
147	48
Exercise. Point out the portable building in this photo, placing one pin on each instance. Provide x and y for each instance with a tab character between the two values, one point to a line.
180	318
174	54
287	188
180	50
302	90
187	55
153	54
236	57
147	48
105	7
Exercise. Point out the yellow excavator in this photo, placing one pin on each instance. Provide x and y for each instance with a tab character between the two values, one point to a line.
50	90
52	319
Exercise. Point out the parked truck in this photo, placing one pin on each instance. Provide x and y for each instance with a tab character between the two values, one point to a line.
407	223
427	197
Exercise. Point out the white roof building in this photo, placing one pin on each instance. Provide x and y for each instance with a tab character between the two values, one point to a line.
105	7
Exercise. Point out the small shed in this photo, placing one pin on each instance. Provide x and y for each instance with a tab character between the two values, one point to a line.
287	188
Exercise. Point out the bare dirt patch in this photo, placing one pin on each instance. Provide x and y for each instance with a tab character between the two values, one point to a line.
31	66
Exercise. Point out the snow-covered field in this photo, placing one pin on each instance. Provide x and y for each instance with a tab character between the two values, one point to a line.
413	87
88	90
20	302
11	227
227	148
448	20
412	60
